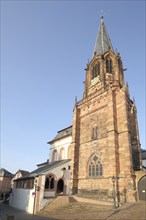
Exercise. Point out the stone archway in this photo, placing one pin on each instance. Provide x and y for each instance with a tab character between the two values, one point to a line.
60	186
142	188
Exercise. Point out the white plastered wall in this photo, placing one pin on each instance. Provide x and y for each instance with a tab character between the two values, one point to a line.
22	199
58	145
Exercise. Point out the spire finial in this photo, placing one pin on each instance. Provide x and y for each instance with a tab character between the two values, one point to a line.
101	15
103	43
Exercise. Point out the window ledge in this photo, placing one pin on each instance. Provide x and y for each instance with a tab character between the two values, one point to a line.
95	177
49	190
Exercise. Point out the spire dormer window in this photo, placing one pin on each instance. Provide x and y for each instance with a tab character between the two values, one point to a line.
109	66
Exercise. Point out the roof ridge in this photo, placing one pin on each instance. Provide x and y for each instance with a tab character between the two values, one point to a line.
65	128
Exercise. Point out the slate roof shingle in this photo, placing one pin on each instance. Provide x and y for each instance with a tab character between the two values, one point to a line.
41	170
103	43
62	133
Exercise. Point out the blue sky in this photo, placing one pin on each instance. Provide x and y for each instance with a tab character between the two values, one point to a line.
45	46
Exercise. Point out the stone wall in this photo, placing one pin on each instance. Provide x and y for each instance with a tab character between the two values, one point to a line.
107	106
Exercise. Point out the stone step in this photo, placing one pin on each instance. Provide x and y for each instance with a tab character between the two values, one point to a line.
59	202
72	199
62	203
91	200
73	209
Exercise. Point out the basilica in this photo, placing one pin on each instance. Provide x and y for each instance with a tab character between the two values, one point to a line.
99	154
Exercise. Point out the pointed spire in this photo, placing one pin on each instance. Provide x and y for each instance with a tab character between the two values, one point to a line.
103	43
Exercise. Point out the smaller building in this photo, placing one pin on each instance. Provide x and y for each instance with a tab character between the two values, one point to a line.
31	193
5	182
59	146
51	178
18	174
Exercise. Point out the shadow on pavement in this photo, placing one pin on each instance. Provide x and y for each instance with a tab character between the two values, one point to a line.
9	213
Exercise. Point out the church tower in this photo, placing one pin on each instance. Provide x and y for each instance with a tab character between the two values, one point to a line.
105	140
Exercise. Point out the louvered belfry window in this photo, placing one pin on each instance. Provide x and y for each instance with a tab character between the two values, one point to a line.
109	66
96	70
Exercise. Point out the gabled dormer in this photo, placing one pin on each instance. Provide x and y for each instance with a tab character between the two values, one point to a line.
105	68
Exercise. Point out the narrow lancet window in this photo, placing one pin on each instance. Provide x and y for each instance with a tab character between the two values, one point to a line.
109	66
95	70
54	155
98	68
95	133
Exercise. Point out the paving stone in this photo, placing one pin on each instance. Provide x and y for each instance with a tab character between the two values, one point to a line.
81	211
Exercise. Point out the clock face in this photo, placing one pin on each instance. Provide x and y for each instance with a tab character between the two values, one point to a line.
95	80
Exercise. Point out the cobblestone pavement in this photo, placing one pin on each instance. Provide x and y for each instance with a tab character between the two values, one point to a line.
7	211
80	211
135	211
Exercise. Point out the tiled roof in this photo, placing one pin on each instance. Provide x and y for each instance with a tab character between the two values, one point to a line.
103	43
43	164
23	172
62	133
41	170
5	173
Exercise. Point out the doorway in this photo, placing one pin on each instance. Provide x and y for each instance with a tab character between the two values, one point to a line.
142	188
60	186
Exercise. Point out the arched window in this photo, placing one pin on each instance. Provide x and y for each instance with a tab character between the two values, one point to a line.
93	72
93	170
95	166
90	170
54	155
109	66
61	155
95	133
49	183
52	183
96	70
